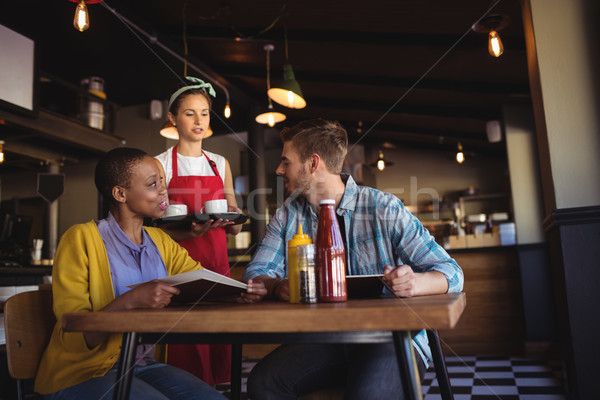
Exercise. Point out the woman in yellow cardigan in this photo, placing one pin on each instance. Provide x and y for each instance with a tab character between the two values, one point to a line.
94	264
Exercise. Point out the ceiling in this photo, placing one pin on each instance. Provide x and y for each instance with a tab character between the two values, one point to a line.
394	73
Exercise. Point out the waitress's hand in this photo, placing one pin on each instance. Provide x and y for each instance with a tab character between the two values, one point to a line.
199	229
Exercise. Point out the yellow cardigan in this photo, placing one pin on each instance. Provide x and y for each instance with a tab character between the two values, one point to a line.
81	281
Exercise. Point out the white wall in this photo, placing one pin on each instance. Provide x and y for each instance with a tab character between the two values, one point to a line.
570	106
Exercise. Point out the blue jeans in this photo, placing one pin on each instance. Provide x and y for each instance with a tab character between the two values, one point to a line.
365	371
150	382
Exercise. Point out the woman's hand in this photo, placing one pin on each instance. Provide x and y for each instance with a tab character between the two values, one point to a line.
152	294
199	229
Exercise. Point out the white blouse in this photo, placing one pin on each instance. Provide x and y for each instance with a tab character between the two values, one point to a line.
187	165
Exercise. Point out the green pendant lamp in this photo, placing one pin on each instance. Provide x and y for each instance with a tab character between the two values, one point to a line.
288	93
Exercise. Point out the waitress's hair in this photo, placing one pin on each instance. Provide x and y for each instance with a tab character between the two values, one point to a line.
115	169
328	139
174	109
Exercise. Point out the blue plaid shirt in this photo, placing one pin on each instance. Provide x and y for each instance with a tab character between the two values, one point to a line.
379	232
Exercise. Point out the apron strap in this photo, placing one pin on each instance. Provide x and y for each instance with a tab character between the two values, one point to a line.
212	164
174	162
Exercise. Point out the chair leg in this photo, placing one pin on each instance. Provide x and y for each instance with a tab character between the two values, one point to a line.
440	365
236	371
19	390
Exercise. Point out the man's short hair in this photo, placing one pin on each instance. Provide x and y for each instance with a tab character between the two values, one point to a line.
115	169
328	139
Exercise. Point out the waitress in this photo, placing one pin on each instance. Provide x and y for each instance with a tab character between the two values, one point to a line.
193	177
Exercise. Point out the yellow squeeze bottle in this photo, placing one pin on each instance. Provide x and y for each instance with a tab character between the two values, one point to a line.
293	271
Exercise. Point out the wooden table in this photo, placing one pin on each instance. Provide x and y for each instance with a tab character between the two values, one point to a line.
355	321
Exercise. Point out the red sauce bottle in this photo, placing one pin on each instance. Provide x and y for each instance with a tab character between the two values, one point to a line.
330	255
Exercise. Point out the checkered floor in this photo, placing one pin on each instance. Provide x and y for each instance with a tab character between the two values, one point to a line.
480	378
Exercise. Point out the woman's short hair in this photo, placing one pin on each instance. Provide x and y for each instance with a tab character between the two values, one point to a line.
115	169
328	139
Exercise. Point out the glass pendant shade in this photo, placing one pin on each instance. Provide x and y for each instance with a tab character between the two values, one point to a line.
288	93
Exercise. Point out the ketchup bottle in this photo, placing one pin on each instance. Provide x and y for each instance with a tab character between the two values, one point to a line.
330	255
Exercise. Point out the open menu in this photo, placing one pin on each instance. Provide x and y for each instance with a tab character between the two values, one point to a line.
202	285
364	286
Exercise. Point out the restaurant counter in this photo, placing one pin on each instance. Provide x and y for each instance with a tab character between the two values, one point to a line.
493	321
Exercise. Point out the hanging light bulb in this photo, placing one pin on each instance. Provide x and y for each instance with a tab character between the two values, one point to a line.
495	47
460	157
1	151
81	21
380	164
227	111
491	24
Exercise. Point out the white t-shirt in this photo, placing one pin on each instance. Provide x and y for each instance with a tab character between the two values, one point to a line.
197	166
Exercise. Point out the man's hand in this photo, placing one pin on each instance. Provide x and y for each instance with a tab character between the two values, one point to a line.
255	292
404	282
400	280
261	286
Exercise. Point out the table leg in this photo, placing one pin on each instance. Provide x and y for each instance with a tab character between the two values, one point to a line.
125	369
409	374
236	371
439	363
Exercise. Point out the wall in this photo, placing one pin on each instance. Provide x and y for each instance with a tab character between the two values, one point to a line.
418	175
564	52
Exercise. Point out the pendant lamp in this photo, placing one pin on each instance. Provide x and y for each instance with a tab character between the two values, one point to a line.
491	24
170	132
81	22
380	164
269	116
288	93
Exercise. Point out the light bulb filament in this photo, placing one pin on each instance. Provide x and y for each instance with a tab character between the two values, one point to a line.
290	96
81	21
227	111
271	120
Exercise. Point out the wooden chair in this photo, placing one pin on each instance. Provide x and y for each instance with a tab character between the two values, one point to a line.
28	322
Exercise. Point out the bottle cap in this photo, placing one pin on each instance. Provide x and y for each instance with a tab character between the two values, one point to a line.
327	201
299	238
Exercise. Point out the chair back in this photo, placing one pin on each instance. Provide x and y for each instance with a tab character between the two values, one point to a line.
28	323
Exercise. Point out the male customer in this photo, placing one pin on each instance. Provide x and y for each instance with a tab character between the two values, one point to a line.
380	236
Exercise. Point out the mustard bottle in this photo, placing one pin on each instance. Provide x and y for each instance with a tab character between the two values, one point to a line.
293	272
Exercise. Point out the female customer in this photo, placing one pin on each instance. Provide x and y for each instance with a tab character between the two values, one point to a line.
194	176
94	264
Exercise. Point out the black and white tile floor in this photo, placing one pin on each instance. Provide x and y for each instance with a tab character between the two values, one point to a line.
480	378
